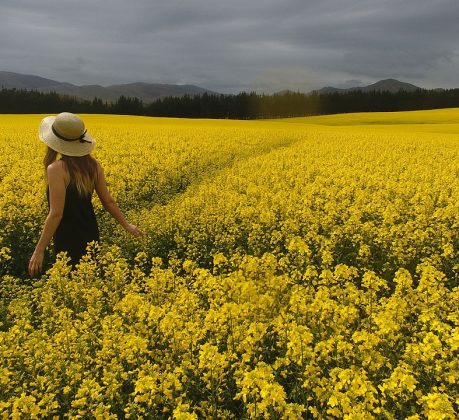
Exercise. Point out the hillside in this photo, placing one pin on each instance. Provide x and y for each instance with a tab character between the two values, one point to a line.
387	85
147	92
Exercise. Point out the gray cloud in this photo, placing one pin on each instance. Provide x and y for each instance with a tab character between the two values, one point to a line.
233	45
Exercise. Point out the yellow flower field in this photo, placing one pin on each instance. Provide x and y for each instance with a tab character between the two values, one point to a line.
296	268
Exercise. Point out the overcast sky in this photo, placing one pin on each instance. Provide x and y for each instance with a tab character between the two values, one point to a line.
233	45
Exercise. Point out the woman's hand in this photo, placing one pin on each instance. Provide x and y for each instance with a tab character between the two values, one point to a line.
36	263
134	230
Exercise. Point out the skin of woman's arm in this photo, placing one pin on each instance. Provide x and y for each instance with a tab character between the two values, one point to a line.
56	182
110	204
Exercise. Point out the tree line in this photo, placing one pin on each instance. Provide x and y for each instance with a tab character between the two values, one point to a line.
233	106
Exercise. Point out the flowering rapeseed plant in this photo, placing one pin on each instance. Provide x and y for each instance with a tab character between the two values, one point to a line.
304	268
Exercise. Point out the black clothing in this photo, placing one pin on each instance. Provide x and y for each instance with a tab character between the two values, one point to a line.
78	226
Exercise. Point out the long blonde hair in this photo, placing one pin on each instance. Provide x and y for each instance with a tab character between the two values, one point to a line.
82	170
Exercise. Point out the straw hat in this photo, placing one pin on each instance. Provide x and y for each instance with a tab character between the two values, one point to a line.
66	134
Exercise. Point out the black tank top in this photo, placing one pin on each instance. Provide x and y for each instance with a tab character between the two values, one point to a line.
78	226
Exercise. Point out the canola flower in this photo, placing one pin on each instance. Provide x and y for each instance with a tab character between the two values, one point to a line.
300	268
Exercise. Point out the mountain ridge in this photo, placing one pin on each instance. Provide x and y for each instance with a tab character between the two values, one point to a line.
385	85
147	92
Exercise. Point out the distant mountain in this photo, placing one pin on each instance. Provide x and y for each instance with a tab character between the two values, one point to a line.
389	85
284	92
147	92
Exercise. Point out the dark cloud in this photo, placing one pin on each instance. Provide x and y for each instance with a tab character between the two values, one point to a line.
233	45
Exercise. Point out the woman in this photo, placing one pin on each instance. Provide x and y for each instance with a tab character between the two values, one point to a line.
71	181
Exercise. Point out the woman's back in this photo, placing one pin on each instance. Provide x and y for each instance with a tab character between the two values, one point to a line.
78	226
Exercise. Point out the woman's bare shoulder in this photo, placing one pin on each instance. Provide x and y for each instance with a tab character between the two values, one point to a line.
99	166
57	169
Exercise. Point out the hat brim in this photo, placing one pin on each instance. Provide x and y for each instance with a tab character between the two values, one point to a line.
68	148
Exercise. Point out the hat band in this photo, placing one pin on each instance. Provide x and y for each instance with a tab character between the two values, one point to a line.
80	138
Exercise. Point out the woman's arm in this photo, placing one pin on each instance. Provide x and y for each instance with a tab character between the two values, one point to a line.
110	204
56	182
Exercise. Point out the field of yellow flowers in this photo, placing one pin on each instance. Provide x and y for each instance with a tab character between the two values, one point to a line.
297	268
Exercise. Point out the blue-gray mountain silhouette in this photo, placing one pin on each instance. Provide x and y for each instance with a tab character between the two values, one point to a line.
147	92
386	85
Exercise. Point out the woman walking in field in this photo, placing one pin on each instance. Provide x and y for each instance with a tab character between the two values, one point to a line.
71	181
